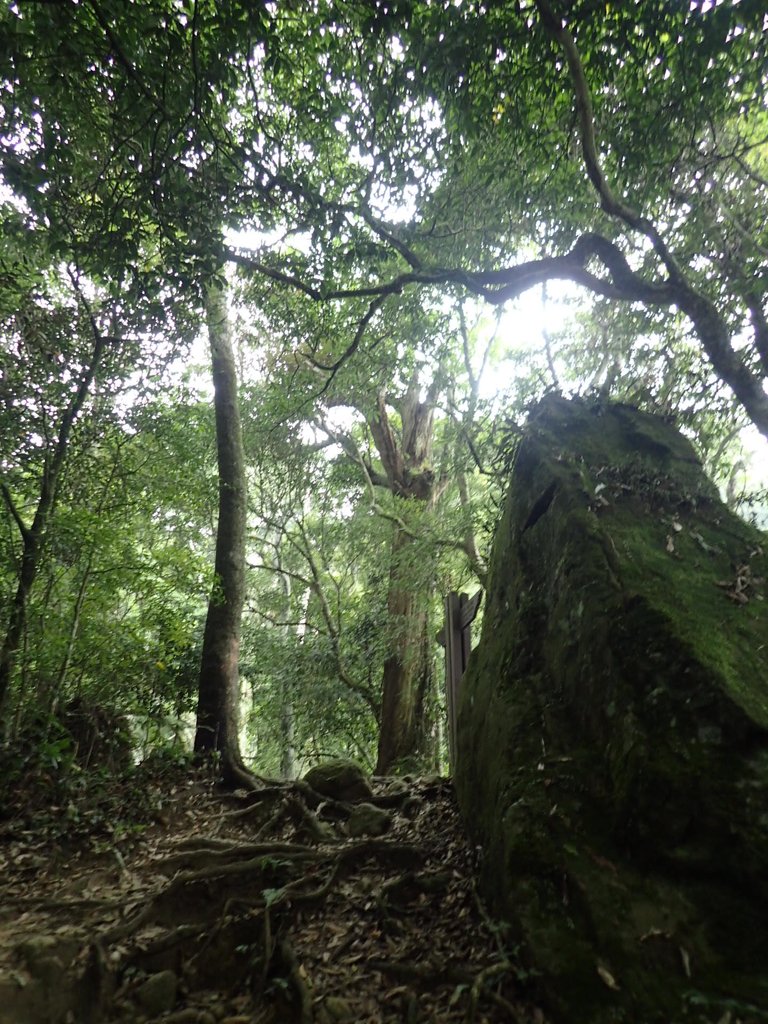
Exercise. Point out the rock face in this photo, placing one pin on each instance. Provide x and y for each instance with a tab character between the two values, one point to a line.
613	730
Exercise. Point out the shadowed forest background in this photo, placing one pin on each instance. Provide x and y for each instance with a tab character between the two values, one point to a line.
278	283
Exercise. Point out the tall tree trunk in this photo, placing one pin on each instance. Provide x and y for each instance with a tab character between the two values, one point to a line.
33	537
219	685
30	560
407	673
406	680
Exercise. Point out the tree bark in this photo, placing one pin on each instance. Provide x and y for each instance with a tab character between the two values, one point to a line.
407	675
30	560
287	715
219	684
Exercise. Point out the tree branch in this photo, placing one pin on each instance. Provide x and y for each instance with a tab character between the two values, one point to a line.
495	286
379	228
333	368
16	515
278	570
123	60
333	632
608	200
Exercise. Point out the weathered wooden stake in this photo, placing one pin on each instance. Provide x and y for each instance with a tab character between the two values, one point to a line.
456	638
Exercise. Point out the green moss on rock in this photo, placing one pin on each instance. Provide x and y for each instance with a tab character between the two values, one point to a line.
613	733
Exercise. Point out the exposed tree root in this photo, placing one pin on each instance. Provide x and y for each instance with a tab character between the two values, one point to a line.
276	912
479	988
254	799
218	864
214	860
300	986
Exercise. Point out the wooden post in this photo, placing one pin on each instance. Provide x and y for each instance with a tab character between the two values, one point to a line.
456	638
453	669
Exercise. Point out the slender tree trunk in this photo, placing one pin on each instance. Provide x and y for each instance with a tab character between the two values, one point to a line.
287	734
82	590
74	629
33	537
30	561
219	685
287	715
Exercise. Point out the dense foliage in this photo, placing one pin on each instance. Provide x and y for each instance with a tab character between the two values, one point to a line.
379	183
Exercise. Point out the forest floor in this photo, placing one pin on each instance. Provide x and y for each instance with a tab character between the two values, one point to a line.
179	903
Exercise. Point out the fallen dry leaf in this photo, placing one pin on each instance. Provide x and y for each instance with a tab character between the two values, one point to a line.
607	977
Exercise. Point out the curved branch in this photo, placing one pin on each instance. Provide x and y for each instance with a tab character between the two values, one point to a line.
380	229
333	368
726	361
583	99
15	514
609	202
495	286
621	282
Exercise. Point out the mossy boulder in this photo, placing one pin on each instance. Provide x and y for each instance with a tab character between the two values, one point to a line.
340	779
368	820
613	729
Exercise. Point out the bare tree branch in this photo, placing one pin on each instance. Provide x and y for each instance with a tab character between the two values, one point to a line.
16	515
380	229
331	626
495	286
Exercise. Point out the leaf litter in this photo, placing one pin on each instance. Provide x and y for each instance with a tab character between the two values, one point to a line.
253	908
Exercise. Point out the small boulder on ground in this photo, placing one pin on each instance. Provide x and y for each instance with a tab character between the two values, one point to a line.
368	820
340	779
157	994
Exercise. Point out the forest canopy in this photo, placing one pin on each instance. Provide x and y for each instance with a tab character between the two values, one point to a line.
351	204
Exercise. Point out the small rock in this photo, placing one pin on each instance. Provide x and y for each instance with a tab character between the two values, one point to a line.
368	820
395	793
340	780
157	994
338	1009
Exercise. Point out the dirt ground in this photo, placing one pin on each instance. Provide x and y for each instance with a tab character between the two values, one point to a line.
282	905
